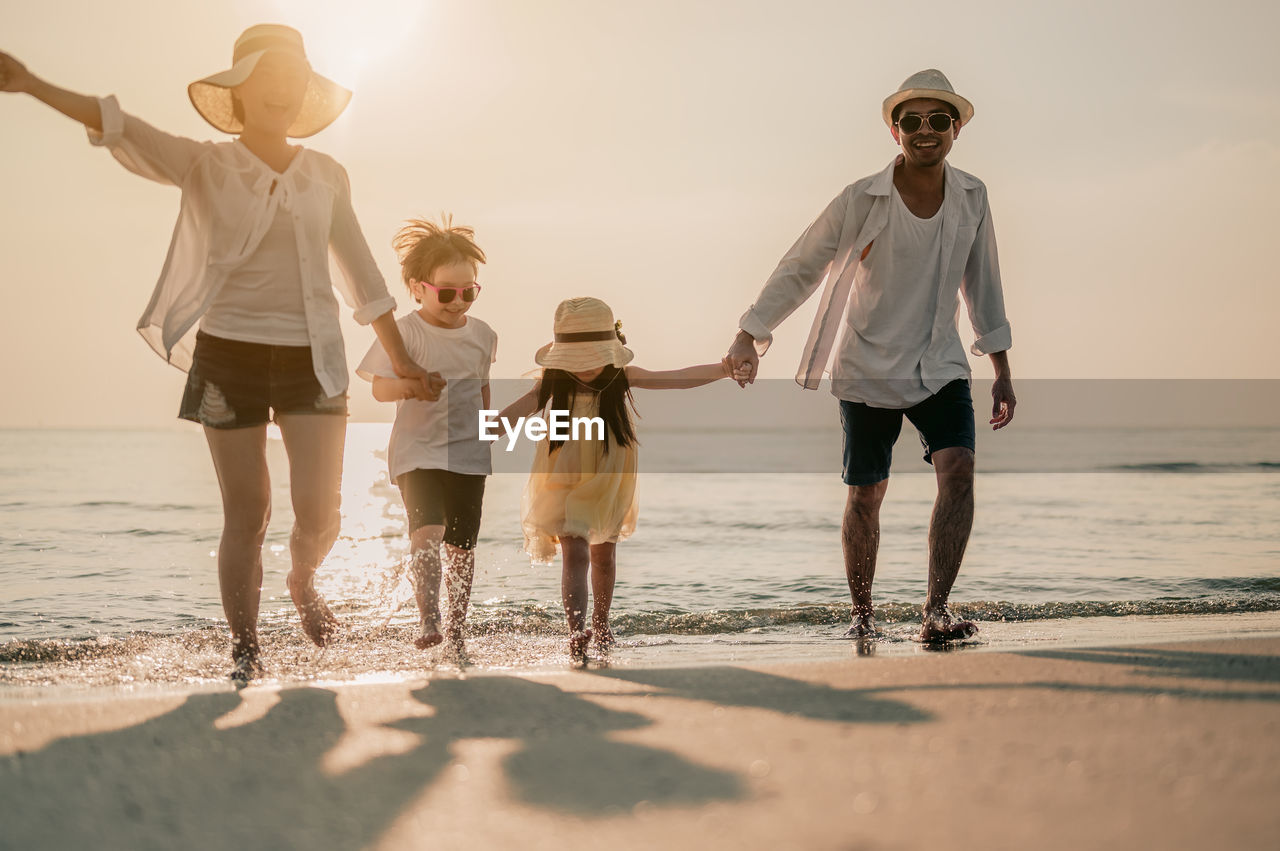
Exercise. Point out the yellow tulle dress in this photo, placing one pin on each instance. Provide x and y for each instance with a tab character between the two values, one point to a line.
579	490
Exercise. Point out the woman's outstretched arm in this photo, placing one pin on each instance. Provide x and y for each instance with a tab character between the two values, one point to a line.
14	77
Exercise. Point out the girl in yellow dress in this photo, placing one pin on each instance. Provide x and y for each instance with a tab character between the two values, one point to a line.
581	493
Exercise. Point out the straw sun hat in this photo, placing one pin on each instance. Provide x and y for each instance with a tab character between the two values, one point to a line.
586	337
930	83
323	101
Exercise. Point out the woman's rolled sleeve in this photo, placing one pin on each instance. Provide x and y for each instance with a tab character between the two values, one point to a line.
361	284
143	149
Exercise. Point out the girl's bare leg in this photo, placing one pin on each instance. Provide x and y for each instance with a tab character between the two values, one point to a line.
603	573
314	443
240	460
424	572
576	557
460	569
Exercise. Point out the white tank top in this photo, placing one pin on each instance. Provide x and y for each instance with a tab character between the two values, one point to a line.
261	301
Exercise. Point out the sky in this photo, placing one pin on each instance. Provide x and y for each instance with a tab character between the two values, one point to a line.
663	156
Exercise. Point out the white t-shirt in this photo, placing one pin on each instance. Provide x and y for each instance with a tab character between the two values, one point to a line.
261	302
896	284
444	434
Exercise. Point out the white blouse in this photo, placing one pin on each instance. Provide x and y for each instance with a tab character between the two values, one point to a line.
229	200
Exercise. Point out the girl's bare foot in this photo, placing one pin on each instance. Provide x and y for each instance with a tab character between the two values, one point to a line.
603	638
944	626
246	665
318	622
578	642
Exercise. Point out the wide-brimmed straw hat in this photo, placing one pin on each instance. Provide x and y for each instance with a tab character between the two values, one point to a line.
323	102
586	337
930	83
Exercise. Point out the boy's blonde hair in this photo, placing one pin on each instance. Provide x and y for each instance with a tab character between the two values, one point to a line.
424	246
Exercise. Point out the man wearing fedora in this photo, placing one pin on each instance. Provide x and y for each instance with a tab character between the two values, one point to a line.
893	254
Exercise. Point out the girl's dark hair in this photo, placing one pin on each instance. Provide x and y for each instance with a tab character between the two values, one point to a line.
559	387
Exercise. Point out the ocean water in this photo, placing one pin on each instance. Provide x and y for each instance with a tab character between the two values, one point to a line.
108	543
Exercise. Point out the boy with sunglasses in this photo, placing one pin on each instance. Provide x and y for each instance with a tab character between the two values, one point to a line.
435	456
897	250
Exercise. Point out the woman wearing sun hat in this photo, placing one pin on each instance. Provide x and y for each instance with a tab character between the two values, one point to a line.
245	303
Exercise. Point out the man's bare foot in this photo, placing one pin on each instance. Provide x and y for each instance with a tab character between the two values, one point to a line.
863	626
317	621
944	626
578	642
603	638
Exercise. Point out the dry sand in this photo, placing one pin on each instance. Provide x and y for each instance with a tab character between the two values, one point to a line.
1171	746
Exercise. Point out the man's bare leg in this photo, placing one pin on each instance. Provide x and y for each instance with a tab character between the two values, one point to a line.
948	537
424	574
860	534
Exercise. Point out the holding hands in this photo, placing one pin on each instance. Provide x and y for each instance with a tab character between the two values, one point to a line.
742	360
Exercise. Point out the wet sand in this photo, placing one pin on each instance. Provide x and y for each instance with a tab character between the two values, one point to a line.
1171	745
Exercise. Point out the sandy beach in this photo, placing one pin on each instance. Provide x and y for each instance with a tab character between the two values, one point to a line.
1170	745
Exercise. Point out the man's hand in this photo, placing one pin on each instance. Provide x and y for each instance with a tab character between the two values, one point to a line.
429	384
743	359
1002	403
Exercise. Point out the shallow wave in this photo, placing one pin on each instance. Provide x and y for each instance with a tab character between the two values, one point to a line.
1195	467
514	622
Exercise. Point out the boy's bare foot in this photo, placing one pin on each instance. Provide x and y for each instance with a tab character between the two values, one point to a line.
317	621
578	642
863	626
454	649
602	638
944	626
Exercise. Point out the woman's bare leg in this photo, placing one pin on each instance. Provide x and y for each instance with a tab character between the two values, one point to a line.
240	460
314	443
603	574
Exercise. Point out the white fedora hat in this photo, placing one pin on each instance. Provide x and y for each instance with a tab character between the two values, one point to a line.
586	337
930	83
323	101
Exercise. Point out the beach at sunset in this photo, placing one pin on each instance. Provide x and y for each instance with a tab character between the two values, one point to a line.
305	302
1168	745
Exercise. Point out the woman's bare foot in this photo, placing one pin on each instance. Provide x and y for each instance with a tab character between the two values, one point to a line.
944	626
602	637
454	649
863	626
431	636
318	622
578	642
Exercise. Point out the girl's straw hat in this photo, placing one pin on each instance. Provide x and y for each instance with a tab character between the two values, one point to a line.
586	338
930	83
323	102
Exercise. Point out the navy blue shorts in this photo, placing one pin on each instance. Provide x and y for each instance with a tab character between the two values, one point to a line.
442	498
944	421
233	384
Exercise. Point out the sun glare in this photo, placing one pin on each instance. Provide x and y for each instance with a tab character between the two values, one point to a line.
348	41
